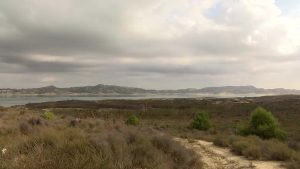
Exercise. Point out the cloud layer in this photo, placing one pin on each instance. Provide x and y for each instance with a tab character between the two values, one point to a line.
151	44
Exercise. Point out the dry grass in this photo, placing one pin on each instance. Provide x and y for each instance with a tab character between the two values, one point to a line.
253	147
168	116
90	144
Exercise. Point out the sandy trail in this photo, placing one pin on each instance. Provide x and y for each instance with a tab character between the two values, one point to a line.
215	157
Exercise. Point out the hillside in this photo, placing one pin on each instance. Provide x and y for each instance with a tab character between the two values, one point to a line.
101	90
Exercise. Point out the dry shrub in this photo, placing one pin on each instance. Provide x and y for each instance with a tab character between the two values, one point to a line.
2	109
25	128
1	114
22	112
279	151
294	145
253	147
121	147
221	141
74	122
183	158
294	164
35	121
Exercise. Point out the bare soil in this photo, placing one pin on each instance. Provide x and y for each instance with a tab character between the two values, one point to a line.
215	157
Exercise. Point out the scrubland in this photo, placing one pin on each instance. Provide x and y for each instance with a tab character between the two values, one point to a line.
97	133
30	141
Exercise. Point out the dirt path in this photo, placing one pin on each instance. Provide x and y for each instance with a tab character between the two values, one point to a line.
215	157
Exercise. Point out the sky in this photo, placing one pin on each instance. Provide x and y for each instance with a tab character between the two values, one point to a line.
157	44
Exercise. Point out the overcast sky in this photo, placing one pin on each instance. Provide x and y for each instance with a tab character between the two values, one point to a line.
158	44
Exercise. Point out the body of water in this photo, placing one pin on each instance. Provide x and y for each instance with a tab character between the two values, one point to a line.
22	100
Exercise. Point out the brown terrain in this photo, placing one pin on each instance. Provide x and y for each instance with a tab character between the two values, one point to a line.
219	147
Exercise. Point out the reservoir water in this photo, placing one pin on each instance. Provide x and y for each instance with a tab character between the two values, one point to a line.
22	100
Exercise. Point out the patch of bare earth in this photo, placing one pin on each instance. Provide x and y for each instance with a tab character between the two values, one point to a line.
215	157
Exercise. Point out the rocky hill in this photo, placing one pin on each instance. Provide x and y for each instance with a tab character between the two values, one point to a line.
101	89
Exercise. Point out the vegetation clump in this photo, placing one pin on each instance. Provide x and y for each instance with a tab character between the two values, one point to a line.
102	140
132	120
263	124
201	121
25	128
35	121
48	115
112	148
221	141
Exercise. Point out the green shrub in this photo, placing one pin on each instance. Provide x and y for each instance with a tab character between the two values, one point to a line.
201	121
48	116
263	124
132	120
242	129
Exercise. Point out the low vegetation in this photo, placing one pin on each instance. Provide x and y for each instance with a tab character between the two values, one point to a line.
91	144
261	139
255	148
263	124
201	121
132	120
48	115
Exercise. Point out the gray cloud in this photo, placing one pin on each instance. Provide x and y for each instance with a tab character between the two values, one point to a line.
18	64
148	42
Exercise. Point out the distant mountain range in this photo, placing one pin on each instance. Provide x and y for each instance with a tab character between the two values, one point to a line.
112	90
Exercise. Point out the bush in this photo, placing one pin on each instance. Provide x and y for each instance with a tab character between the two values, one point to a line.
263	124
221	141
132	120
251	147
73	148
48	116
242	130
294	164
74	122
183	158
278	150
201	121
254	147
294	145
25	128
35	121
